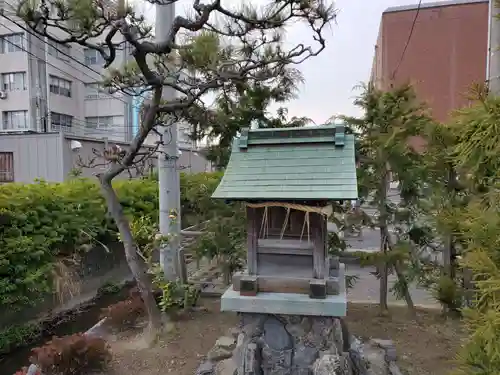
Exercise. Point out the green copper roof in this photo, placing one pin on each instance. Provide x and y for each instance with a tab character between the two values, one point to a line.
310	163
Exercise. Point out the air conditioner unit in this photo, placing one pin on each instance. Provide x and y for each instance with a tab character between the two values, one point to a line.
3	95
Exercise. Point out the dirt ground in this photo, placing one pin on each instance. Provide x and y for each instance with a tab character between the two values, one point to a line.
424	348
181	352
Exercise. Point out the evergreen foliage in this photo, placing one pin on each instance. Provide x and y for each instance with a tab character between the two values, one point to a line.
385	153
44	223
247	105
214	49
478	222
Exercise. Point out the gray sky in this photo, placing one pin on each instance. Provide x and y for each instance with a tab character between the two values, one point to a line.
346	61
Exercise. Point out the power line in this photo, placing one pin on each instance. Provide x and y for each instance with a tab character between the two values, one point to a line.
59	69
80	127
45	42
73	118
65	72
2	13
408	40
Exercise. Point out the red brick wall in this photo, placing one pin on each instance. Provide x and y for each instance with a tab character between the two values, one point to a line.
446	54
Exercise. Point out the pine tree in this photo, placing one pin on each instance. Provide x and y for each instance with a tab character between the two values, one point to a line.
214	49
385	153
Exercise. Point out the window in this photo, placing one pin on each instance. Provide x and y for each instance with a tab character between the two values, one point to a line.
91	90
60	51
14	81
6	167
104	122
95	90
15	120
60	121
60	86
12	43
93	57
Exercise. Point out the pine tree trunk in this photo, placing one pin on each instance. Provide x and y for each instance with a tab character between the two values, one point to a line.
401	277
449	257
135	263
226	274
406	292
449	251
384	275
383	269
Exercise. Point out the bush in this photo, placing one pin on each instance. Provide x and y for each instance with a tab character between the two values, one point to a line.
124	313
173	296
24	371
480	228
197	204
225	245
76	354
17	335
447	292
43	222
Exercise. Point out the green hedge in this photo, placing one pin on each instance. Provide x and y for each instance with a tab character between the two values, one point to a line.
43	222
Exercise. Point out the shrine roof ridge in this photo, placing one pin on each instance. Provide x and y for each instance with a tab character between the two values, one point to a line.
333	134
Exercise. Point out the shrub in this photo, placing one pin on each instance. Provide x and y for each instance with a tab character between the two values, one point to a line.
448	293
176	296
480	228
196	202
134	293
41	223
124	313
108	288
19	335
76	354
172	296
44	224
24	371
224	240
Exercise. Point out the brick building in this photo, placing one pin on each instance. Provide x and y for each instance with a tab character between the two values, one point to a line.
446	53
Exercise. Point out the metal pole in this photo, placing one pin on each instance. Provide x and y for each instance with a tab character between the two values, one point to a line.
168	173
493	64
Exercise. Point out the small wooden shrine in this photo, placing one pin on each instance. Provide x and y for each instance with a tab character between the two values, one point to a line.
288	178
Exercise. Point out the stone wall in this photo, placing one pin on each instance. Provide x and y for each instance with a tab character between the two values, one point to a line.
266	344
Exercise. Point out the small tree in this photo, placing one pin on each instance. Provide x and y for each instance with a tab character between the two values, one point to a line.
480	228
384	154
475	156
224	240
215	49
445	196
444	186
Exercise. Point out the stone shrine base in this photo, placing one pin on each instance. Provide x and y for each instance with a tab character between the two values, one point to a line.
280	303
289	303
266	344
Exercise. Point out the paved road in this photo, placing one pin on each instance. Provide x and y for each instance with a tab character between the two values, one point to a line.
367	288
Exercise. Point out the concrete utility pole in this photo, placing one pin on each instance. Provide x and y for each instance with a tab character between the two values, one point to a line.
168	173
493	58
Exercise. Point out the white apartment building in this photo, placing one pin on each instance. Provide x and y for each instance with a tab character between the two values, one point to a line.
46	87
